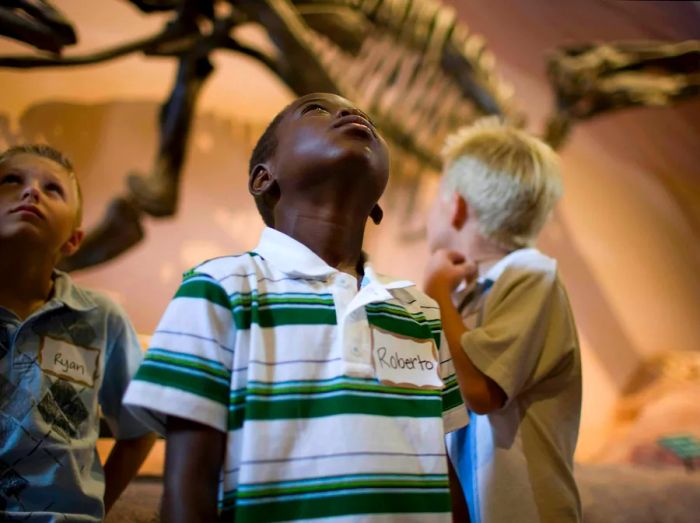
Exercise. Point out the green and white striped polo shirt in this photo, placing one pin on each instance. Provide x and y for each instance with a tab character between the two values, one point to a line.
274	347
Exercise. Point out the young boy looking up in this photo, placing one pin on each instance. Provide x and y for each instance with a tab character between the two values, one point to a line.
294	382
509	327
65	353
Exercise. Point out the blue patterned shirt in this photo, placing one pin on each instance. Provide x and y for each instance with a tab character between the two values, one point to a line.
59	368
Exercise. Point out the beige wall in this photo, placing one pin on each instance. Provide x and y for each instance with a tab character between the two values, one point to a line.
626	232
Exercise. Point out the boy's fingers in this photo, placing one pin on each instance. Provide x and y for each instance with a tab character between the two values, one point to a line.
466	271
472	270
457	258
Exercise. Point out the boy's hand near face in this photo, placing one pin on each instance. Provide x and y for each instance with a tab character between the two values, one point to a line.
446	270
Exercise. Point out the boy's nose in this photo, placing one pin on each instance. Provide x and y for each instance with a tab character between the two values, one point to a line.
31	192
345	111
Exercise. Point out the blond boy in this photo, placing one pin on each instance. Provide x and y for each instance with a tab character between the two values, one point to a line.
66	354
509	327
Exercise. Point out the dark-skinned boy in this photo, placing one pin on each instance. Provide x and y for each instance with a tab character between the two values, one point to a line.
272	371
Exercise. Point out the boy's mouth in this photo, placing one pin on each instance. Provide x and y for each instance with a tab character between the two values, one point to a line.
354	121
28	209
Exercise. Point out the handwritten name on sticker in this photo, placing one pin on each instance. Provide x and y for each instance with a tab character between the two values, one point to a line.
69	362
405	361
395	361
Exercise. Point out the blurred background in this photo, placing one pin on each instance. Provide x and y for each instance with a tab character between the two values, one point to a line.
625	234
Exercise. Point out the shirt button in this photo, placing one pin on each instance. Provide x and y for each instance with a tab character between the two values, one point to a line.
356	351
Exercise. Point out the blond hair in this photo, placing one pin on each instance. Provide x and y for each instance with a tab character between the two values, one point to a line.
48	152
510	178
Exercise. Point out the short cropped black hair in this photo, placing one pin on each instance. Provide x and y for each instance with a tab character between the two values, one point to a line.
46	151
263	150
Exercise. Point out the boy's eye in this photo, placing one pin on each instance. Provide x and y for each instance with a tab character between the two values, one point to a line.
315	108
11	178
54	187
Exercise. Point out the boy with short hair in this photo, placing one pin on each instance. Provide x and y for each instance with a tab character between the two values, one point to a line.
293	381
65	354
508	324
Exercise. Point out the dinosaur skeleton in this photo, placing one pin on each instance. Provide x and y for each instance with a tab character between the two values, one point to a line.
37	23
592	79
417	71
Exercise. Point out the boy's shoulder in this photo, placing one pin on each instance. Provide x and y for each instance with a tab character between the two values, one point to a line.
84	299
94	308
224	267
528	276
525	264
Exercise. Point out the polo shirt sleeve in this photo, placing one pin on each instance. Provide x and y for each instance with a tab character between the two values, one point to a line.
124	356
187	369
525	333
454	412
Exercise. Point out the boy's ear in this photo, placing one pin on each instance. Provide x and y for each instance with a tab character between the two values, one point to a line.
376	214
261	180
73	243
459	211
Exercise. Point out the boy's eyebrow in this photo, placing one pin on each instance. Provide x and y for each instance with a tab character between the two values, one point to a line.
316	98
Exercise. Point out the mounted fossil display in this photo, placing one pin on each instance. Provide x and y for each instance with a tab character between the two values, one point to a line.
419	73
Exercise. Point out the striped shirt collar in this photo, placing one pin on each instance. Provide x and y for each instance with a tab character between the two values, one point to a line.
297	260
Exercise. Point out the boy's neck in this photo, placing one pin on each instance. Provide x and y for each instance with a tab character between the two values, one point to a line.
333	236
26	281
480	249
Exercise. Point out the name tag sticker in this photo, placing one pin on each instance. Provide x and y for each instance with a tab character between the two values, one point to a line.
69	362
405	362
